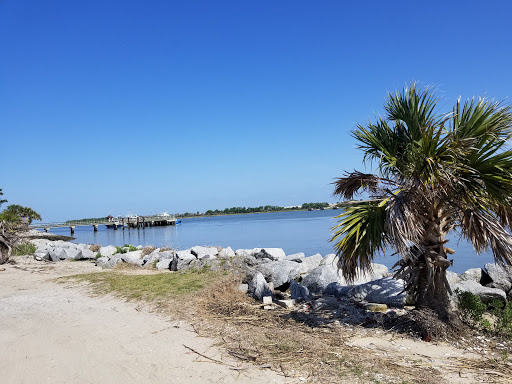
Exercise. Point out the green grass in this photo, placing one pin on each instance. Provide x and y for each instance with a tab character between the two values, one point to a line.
21	249
151	287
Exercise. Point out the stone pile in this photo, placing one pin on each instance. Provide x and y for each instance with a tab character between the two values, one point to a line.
270	272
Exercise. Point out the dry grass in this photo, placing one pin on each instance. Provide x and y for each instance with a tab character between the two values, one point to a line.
95	248
147	250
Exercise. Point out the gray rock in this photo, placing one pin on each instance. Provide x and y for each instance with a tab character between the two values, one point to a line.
73	254
501	277
323	275
226	252
52	256
111	263
59	253
165	255
204	252
41	255
86	254
310	263
247	252
330	259
164	264
474	274
486	294
297	257
108	251
132	257
273	254
383	291
101	261
280	272
258	287
298	291
326	303
243	288
184	259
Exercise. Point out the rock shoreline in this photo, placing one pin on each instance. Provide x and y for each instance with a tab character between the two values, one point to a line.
288	279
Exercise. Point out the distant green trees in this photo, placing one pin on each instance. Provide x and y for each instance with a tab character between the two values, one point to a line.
314	205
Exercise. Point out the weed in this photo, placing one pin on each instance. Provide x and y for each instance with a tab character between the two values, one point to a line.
95	247
470	306
21	249
147	250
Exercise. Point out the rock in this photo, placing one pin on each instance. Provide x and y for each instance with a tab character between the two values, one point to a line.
323	275
52	256
290	303
243	288
326	303
273	254
247	252
59	253
226	252
108	250
297	257
310	263
268	301
73	254
164	264
111	263
501	277
280	272
149	260
383	291
86	253
486	294
258	287
184	259
330	259
474	274
41	255
204	252
101	261
375	307
166	255
132	257
298	291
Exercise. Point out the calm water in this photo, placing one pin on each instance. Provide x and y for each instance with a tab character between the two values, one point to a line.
303	231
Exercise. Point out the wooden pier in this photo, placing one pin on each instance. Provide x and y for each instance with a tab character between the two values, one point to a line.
125	222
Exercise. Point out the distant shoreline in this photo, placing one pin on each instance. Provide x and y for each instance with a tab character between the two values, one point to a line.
253	213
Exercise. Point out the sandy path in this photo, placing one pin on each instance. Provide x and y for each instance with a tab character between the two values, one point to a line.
53	334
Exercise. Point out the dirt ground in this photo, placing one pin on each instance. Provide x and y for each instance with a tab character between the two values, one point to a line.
52	334
58	333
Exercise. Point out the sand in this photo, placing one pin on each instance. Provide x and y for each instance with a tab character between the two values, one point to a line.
51	333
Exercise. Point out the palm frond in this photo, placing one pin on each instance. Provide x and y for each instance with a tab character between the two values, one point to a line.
360	236
484	231
355	182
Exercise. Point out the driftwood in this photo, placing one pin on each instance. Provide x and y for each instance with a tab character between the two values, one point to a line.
7	240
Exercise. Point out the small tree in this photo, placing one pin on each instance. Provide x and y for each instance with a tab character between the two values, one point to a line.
435	172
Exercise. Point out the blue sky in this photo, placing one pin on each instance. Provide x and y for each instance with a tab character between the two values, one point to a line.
145	106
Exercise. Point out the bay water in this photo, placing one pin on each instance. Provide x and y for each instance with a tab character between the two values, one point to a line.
297	231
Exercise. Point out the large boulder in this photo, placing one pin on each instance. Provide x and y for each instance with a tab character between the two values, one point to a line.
473	274
280	272
324	275
309	263
258	287
108	263
273	254
500	276
226	252
486	294
166	255
132	257
297	257
86	253
204	252
59	253
330	259
383	291
298	291
164	264
184	258
247	252
108	251
73	254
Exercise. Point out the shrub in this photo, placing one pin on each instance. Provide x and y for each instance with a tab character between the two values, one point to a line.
470	306
26	248
147	250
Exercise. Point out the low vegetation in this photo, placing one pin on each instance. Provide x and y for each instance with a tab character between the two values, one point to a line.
24	248
495	317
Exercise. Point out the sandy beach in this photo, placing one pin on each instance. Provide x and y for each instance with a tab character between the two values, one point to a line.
51	333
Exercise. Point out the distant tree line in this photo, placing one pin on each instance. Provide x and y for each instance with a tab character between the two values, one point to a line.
260	209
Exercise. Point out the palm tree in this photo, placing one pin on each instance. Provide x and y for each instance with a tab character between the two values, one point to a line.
435	173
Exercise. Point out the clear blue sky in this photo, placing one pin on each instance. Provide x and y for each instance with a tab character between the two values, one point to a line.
145	106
